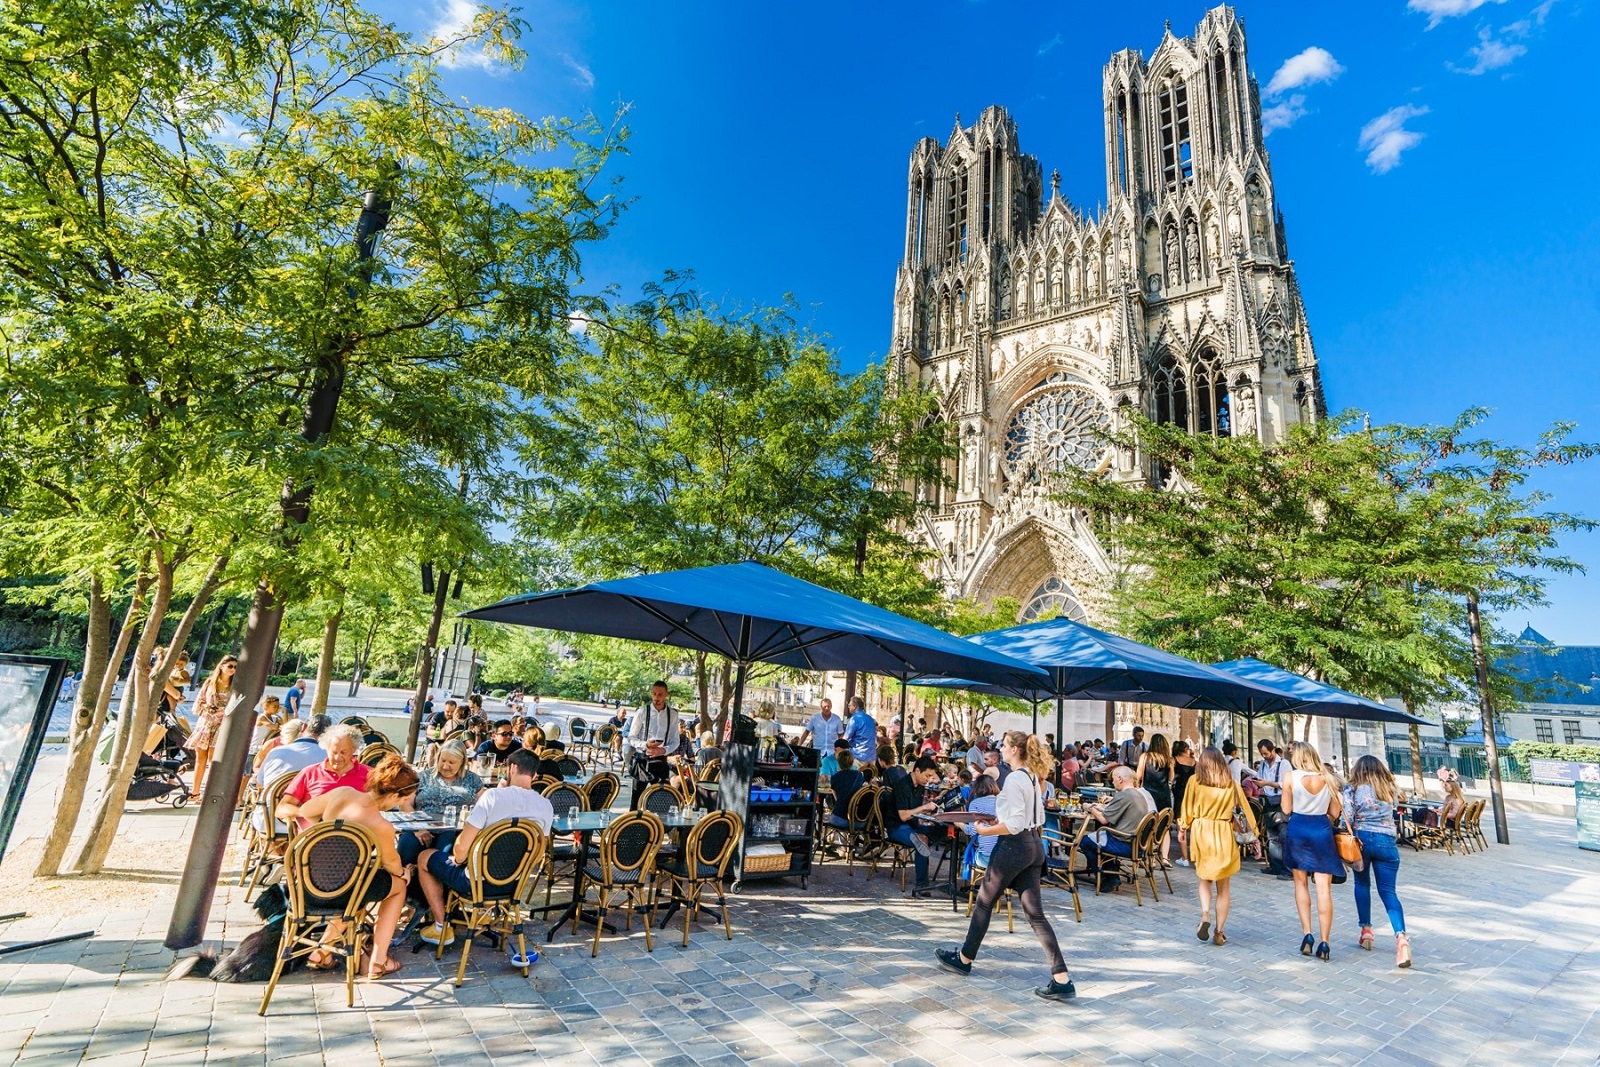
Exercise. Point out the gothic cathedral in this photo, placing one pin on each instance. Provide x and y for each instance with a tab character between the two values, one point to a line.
1037	324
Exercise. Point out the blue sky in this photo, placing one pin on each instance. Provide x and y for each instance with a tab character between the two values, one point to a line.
1438	174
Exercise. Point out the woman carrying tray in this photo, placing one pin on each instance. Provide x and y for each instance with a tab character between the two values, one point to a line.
1016	863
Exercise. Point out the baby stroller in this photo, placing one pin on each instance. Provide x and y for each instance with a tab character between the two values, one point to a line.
159	780
174	734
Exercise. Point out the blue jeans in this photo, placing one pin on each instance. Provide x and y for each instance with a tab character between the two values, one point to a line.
901	835
1114	846
1380	857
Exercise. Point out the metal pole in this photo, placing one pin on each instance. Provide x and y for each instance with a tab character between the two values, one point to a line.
1035	702
221	796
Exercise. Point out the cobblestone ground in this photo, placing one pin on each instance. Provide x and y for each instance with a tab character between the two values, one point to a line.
1507	945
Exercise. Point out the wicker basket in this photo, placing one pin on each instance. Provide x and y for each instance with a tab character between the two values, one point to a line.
766	864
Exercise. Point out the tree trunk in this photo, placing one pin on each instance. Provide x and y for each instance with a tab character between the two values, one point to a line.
88	715
1491	750
108	812
326	662
702	685
425	665
363	656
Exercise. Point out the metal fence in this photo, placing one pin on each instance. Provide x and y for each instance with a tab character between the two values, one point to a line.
1471	764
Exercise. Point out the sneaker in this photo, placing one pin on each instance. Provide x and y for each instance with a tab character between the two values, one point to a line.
433	934
1055	990
950	960
1183	863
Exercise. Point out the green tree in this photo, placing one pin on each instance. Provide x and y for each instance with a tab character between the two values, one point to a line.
193	341
684	437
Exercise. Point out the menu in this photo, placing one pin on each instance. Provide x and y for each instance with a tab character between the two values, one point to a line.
1588	797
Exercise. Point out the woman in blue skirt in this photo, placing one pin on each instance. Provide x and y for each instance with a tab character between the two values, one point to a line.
1311	800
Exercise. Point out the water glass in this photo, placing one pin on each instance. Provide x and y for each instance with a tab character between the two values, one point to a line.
672	812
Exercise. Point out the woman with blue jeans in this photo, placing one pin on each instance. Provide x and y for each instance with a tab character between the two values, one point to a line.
1369	804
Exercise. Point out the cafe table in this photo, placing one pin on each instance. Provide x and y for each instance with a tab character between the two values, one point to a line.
583	825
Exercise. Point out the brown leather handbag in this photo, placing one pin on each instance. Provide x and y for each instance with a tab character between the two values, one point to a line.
1349	845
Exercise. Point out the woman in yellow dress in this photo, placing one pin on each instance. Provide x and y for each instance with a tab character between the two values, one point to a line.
1205	830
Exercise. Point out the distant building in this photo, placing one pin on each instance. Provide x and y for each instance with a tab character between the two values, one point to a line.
1569	712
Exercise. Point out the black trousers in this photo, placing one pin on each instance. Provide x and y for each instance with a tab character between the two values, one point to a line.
1016	864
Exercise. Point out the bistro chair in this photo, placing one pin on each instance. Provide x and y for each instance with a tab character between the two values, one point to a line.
582	736
622	872
1152	855
898	855
1140	832
565	797
703	863
1144	837
980	868
569	767
1474	824
605	743
328	869
708	785
264	848
374	754
656	799
603	789
1061	861
856	838
357	721
503	861
687	789
247	803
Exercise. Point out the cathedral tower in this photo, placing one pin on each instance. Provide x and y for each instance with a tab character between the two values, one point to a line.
1038	324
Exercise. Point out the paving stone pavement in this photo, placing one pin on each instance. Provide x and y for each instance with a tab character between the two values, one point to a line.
1507	970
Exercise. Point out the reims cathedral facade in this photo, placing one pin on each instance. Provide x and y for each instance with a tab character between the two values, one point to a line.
1037	323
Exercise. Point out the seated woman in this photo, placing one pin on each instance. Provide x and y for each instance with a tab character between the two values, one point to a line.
389	783
1455	802
446	783
979	846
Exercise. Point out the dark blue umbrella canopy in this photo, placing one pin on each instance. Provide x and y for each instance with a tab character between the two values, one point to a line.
1080	661
752	613
1307	697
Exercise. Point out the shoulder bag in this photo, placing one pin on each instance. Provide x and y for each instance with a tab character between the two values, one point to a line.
1348	843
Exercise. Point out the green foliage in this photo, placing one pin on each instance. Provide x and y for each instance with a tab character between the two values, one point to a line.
1523	751
1339	553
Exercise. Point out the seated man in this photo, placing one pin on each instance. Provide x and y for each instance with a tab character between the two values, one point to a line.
903	803
501	744
338	769
846	782
830	762
1122	813
444	868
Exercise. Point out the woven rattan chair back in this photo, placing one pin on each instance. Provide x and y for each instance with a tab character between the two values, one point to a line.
566	798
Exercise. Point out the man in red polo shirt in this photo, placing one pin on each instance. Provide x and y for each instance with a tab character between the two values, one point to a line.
339	768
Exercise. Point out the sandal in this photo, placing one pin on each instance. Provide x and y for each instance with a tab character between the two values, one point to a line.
1365	941
1219	938
322	959
1204	933
390	966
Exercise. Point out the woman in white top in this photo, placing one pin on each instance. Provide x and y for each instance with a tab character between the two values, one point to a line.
1311	800
1016	863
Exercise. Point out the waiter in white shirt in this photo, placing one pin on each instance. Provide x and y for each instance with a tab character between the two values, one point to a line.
651	735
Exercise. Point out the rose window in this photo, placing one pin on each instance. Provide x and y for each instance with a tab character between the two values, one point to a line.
1054	429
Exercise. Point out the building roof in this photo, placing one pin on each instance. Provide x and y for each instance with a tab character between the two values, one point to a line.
1563	672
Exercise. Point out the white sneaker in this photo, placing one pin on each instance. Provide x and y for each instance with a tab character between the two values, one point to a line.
1183	863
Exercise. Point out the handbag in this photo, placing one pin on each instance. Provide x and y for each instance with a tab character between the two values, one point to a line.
1349	845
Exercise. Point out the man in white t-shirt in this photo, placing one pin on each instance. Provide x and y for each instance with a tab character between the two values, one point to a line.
823	730
445	868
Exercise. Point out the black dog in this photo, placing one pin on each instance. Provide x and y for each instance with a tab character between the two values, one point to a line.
253	958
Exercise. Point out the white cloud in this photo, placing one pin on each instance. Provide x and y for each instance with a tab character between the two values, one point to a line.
580	73
1439	10
1386	137
1283	115
1051	45
1308	68
1491	53
455	21
228	129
